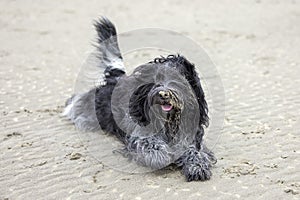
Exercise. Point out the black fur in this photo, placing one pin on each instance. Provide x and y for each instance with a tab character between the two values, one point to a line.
153	127
105	29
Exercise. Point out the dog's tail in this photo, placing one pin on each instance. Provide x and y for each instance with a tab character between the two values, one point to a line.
107	45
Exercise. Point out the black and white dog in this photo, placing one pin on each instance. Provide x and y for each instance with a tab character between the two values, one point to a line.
159	111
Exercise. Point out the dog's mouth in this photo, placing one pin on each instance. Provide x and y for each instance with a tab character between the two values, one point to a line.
166	107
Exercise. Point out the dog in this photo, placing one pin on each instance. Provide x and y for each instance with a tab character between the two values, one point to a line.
159	112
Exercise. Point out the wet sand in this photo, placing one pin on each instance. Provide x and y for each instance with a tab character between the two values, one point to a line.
255	46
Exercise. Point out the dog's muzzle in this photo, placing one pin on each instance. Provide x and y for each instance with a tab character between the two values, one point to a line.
166	98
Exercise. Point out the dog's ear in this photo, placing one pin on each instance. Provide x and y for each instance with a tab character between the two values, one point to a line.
139	105
194	80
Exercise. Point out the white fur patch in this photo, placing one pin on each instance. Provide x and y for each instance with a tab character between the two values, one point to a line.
68	109
114	61
117	64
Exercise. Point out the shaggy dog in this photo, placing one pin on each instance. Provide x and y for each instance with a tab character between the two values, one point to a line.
159	111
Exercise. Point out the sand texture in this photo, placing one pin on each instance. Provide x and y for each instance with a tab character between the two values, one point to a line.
255	46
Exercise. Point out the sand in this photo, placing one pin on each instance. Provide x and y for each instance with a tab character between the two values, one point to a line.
255	47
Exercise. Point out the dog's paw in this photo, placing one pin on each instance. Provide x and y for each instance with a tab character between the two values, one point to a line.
197	172
157	156
152	152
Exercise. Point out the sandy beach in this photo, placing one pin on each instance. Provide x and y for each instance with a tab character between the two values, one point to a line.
255	46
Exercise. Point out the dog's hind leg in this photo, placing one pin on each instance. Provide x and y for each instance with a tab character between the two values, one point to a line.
80	109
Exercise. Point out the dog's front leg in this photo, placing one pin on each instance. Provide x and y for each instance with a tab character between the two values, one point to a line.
151	151
196	164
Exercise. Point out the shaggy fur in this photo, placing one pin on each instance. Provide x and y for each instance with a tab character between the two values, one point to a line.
163	118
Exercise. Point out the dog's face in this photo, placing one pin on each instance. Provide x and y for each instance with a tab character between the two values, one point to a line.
167	95
158	104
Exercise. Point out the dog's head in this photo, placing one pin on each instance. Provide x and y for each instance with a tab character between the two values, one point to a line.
159	105
168	95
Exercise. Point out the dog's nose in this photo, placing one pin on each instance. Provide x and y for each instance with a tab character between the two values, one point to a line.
164	94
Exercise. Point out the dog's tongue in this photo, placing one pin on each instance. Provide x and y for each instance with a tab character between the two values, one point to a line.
166	107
